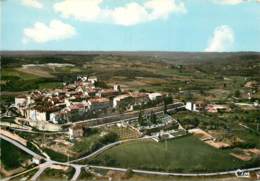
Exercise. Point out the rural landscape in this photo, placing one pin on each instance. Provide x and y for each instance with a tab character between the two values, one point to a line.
130	116
130	90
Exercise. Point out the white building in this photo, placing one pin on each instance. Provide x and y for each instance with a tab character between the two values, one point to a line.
76	131
121	99
67	102
117	88
84	78
36	160
36	115
54	117
154	96
191	106
139	98
93	79
21	101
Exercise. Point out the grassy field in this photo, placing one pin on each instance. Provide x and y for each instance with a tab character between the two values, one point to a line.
205	77
14	72
169	178
11	156
248	137
226	124
55	155
84	145
123	133
50	85
202	76
187	154
94	141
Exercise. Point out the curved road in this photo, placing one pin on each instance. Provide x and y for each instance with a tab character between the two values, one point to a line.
175	174
41	167
77	172
30	152
106	147
48	163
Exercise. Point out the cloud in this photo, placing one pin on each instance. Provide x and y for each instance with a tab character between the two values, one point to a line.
41	33
83	10
162	8
222	39
32	3
129	14
233	2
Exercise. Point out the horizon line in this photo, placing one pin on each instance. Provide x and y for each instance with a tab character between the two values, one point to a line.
129	51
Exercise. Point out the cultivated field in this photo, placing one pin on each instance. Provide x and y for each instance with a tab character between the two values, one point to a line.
187	154
219	78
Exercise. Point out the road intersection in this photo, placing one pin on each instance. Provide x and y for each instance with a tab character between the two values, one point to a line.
48	163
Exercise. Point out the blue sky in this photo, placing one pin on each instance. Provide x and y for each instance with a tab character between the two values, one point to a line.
149	25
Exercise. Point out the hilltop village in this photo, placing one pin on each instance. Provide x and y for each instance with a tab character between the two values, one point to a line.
83	99
86	121
88	102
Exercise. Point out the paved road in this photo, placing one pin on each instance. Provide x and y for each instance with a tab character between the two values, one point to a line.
133	118
175	174
20	146
129	115
106	147
48	163
42	167
19	174
39	132
77	172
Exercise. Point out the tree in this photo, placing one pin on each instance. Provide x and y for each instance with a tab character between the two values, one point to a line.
153	118
237	93
142	90
129	173
109	138
164	108
141	120
167	100
257	121
101	84
189	96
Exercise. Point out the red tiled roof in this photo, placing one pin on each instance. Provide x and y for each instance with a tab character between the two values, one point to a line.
77	106
138	95
98	100
108	91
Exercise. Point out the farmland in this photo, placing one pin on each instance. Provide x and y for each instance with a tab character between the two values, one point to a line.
208	78
197	75
187	154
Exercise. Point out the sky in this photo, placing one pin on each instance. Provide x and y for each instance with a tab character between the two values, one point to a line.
131	25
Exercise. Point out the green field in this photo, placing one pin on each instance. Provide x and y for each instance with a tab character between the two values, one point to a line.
186	154
93	141
14	72
227	125
11	156
50	85
84	145
56	155
199	76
